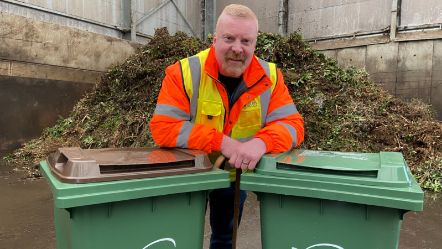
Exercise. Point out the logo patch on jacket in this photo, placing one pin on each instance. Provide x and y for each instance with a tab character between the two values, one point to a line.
251	105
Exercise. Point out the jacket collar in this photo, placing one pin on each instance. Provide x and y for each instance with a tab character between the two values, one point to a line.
253	73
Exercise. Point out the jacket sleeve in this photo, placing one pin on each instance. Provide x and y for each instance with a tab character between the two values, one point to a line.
284	125
171	125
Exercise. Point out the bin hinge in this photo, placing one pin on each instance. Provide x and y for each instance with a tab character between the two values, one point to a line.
109	210
402	212
71	213
321	207
366	212
153	204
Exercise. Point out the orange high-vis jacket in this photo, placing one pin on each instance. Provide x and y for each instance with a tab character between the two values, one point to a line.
193	107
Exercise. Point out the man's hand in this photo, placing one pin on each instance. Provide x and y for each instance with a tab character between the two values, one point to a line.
229	146
246	155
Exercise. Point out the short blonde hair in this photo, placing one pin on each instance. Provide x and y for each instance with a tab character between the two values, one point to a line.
238	10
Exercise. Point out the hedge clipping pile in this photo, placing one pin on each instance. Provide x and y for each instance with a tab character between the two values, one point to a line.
343	109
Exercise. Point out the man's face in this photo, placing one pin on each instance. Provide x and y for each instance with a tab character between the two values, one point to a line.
234	42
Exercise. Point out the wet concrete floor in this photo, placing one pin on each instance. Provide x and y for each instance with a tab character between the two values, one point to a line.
26	218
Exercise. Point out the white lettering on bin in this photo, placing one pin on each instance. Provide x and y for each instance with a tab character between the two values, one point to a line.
161	240
321	245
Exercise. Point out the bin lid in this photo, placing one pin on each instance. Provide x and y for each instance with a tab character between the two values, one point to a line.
384	168
76	165
369	178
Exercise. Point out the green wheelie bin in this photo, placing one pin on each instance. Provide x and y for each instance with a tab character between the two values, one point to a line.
140	198
333	200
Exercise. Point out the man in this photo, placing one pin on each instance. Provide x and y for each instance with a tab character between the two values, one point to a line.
226	100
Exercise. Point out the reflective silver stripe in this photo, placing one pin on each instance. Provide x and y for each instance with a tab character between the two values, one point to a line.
265	96
292	132
171	111
183	135
265	101
195	71
281	112
266	66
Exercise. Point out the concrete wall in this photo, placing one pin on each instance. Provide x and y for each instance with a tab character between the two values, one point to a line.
108	12
266	11
28	105
25	40
113	18
315	19
407	69
44	69
415	13
318	18
98	16
185	16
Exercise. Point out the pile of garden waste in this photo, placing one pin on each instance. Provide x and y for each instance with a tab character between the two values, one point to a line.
342	108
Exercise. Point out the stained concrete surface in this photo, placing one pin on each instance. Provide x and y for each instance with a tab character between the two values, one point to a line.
26	218
27	40
28	105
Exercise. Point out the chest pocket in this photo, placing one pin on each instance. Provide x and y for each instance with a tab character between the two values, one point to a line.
249	120
210	113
